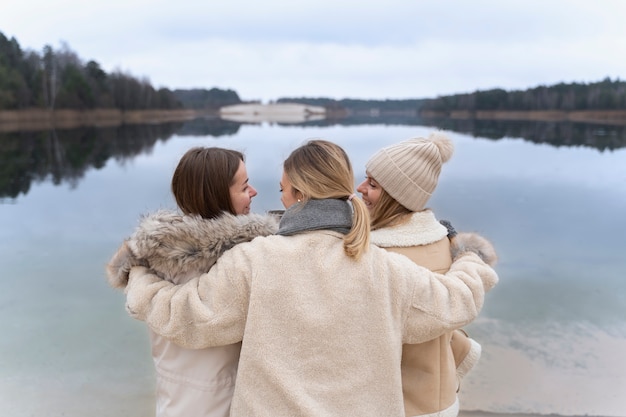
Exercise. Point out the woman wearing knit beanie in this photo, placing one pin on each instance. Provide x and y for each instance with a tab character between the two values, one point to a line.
320	335
400	180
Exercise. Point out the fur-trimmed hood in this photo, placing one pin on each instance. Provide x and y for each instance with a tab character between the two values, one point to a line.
176	246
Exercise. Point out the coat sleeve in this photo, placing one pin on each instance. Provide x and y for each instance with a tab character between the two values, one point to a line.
209	310
440	303
118	267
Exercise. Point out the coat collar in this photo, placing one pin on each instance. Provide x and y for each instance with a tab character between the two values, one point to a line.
325	214
422	228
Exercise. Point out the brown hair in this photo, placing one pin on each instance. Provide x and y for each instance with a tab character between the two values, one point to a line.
202	179
387	211
320	169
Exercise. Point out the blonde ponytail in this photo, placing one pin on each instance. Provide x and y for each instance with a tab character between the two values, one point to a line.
321	169
356	242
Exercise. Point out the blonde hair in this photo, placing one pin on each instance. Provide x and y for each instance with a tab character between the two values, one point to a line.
320	169
388	211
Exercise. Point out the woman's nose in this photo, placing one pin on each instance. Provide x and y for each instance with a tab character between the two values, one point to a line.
361	188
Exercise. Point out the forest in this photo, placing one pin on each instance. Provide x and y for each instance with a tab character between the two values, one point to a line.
604	95
60	79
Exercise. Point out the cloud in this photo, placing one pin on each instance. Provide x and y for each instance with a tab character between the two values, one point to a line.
392	49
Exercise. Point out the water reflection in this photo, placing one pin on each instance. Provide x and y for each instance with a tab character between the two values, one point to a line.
599	136
64	155
214	127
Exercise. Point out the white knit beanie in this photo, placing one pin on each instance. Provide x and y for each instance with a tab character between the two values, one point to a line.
409	170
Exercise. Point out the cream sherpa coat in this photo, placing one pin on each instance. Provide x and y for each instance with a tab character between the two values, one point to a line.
323	332
200	382
430	377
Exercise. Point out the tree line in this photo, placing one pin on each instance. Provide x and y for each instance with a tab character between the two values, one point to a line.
60	79
604	95
56	79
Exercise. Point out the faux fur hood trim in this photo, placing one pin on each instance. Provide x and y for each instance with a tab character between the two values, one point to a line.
421	229
172	244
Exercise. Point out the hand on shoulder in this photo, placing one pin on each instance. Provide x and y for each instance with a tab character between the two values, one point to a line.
473	242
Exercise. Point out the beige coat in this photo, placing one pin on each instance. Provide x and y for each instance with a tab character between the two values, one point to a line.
189	382
323	333
429	370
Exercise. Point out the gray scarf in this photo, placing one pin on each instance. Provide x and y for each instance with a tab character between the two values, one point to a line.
326	214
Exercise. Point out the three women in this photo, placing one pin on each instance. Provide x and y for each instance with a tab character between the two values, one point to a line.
325	313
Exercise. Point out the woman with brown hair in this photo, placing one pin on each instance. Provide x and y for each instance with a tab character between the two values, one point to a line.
211	189
321	312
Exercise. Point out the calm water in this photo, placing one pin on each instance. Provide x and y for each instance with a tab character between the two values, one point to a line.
553	331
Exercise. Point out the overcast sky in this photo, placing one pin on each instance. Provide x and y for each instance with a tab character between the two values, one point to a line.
267	49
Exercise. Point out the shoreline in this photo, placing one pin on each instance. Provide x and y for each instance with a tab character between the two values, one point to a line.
43	119
613	117
492	414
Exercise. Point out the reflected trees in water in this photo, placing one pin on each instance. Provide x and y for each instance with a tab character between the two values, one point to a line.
66	155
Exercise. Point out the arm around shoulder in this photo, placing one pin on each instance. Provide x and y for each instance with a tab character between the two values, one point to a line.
201	313
441	303
473	242
119	266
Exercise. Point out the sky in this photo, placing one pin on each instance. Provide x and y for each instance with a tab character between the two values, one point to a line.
391	49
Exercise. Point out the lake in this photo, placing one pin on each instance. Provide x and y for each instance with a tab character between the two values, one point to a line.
553	331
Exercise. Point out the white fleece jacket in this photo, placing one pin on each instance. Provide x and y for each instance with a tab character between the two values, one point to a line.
323	332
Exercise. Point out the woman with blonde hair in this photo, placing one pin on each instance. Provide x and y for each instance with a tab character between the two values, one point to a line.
400	180
322	313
